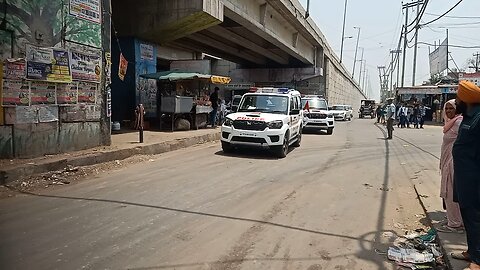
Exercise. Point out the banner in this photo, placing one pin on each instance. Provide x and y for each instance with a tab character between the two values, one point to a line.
14	69
48	64
42	93
86	66
122	67
15	92
439	58
87	92
86	9
67	93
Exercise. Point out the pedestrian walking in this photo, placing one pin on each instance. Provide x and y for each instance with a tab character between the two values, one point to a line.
466	161
378	112
416	116
390	118
214	101
450	132
403	116
423	112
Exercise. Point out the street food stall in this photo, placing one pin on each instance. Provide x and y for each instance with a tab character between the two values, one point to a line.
184	96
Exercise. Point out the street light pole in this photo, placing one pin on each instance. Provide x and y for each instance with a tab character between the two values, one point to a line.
361	62
356	50
343	30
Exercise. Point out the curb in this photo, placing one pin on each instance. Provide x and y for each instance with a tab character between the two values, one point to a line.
12	174
438	239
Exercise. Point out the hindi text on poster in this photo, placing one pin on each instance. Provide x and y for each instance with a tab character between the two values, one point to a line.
86	9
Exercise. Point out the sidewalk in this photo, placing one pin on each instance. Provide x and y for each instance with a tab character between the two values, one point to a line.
124	145
428	193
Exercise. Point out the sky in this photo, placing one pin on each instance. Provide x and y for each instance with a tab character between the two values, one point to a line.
380	23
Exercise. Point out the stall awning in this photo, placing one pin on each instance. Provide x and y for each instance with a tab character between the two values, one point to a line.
179	75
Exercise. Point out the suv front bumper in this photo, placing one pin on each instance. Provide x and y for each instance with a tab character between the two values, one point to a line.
319	123
264	138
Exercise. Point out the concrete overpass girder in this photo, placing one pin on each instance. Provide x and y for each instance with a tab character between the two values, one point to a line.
268	24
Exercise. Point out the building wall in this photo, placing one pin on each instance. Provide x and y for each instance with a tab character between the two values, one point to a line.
66	116
340	89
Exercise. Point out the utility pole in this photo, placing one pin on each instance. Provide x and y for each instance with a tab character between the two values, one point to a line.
476	61
405	29
356	50
417	26
361	62
395	61
343	30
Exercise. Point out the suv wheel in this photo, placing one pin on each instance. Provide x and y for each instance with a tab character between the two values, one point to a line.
299	139
282	151
329	131
227	147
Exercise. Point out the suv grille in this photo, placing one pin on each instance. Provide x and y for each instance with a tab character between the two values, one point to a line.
317	116
248	139
249	125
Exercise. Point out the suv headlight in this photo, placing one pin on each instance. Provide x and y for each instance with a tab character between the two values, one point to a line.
278	124
228	122
330	116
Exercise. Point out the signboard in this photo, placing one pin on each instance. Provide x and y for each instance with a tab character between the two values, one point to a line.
86	66
439	58
122	67
89	10
146	51
42	92
15	92
48	64
87	92
420	91
449	90
67	93
109	101
14	69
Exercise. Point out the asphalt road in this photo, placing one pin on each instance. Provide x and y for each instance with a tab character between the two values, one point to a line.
328	205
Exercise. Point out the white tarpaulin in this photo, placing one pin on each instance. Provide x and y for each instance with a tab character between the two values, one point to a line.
439	58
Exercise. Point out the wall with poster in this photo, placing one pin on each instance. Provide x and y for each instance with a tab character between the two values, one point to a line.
146	90
52	75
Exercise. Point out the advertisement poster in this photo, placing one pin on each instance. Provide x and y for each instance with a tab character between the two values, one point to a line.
122	67
86	66
15	92
86	9
14	69
48	64
146	51
47	114
42	92
87	92
67	93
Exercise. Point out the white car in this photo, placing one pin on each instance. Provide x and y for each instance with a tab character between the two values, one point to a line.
341	112
316	114
266	117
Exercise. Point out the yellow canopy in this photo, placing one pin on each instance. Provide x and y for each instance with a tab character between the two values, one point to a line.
220	79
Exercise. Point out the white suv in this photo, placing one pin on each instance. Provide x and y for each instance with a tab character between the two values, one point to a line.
317	115
266	117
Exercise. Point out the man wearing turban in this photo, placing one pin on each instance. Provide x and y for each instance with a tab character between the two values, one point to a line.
466	159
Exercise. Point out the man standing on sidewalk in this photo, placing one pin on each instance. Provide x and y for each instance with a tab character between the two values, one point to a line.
390	117
466	160
214	101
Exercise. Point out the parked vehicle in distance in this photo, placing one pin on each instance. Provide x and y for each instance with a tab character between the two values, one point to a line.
341	112
367	108
266	117
316	114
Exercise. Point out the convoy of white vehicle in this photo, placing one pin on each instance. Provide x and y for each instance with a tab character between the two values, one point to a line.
275	118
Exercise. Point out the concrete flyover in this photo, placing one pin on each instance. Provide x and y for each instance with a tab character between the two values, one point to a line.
270	40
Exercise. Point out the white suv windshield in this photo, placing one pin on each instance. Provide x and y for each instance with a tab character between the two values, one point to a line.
315	103
264	103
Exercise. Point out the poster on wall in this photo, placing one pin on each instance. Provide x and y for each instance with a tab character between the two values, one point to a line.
86	66
15	92
122	67
48	64
147	90
14	69
47	114
87	92
26	115
89	10
146	52
42	92
67	93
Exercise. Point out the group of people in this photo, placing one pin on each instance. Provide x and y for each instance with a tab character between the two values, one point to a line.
405	115
460	170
